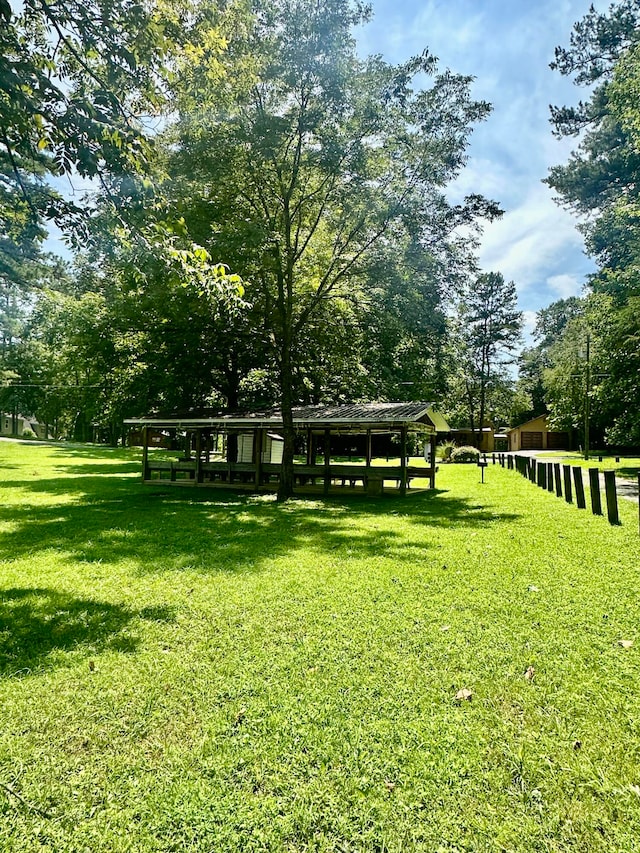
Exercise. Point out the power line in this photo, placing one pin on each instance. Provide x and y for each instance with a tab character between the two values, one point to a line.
43	385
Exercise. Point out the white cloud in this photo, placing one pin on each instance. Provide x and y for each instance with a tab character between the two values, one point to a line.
530	241
565	285
530	318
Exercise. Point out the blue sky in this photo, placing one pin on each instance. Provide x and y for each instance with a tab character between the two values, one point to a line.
507	46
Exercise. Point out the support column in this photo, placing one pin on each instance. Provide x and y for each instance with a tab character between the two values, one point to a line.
327	460
368	450
403	460
198	472
432	457
145	454
257	456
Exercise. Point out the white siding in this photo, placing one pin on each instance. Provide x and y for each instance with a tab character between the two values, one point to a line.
245	447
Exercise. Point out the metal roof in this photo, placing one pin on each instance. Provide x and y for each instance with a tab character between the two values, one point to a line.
348	417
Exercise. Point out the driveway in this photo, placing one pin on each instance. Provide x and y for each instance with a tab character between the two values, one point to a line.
625	488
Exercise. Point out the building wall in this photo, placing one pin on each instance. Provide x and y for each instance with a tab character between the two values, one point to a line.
467	437
271	448
7	422
536	435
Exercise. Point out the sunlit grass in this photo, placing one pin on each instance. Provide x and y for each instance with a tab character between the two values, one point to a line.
204	671
624	466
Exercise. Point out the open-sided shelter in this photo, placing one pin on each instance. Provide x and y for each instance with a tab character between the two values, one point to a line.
245	450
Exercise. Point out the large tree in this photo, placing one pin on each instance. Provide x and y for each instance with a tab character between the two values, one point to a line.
489	328
551	323
308	159
76	81
600	183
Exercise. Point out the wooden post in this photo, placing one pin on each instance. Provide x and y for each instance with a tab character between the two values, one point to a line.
542	475
403	460
327	460
145	453
533	464
432	446
557	478
612	497
550	476
594	488
368	450
310	456
566	470
257	456
577	481
198	473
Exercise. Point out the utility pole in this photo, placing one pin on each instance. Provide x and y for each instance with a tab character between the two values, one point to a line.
588	377
587	399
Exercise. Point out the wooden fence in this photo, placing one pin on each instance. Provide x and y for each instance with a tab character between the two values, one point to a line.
567	481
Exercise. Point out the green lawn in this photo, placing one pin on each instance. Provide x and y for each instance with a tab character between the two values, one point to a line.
202	671
627	466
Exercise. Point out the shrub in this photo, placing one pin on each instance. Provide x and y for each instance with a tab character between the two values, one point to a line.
465	454
444	450
28	433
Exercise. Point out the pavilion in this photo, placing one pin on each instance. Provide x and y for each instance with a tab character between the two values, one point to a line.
245	450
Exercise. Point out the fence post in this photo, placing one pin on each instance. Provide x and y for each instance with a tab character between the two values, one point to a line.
612	497
594	487
566	472
542	475
558	479
533	464
577	480
550	476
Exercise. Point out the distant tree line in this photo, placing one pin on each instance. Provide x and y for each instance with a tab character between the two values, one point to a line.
601	184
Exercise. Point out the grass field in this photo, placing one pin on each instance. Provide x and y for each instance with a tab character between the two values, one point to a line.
202	671
626	466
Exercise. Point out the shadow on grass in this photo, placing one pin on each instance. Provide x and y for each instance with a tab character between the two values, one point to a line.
162	528
629	473
113	469
36	625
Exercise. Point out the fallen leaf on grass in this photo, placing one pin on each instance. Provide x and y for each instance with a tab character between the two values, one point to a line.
445	628
92	665
533	588
626	644
530	673
464	695
389	785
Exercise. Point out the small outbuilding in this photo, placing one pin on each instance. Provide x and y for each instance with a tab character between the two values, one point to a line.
536	435
245	449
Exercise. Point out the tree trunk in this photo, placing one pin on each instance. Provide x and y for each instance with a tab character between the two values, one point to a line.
470	402
285	488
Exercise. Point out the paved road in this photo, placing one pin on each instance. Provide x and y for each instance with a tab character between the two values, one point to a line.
625	488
